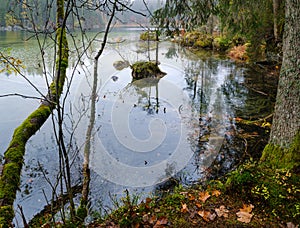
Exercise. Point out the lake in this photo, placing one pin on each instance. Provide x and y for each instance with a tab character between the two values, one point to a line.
149	135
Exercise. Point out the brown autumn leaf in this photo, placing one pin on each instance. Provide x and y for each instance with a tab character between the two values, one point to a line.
161	222
184	208
152	219
148	200
247	208
222	211
198	205
191	197
244	215
203	196
291	225
207	216
216	193
212	216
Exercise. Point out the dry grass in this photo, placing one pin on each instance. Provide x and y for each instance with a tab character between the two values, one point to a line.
238	53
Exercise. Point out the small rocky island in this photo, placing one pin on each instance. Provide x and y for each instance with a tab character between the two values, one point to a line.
146	69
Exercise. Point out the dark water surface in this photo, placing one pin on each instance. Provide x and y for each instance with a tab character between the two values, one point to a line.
146	131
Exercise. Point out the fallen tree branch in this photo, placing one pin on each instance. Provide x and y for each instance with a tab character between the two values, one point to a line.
53	207
14	155
261	122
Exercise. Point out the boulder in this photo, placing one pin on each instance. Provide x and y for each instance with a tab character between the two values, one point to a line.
146	69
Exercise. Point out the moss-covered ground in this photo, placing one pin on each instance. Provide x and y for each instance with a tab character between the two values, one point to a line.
253	195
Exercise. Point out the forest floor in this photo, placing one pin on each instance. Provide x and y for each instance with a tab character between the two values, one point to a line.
251	196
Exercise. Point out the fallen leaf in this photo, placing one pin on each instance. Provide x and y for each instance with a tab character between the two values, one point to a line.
193	214
203	196
152	220
207	216
216	193
194	222
291	225
148	200
222	211
244	215
198	205
184	208
247	208
161	222
191	197
212	216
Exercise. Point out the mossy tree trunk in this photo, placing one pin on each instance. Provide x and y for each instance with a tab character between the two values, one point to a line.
283	149
14	155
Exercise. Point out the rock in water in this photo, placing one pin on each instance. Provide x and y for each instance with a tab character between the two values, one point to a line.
120	65
146	69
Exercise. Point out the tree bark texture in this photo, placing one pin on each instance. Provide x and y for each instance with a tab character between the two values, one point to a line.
276	4
286	122
283	149
14	155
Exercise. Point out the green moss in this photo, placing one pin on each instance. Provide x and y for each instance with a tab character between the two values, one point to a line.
9	183
29	126
10	180
238	40
197	39
181	222
222	43
242	176
81	213
15	154
204	42
278	157
276	191
146	69
149	35
6	213
10	177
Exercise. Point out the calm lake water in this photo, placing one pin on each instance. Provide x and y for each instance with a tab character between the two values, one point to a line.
149	134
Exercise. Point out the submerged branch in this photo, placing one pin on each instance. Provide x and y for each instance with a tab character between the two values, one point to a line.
53	207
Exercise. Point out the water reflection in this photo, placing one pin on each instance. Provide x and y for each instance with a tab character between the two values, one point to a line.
145	121
178	127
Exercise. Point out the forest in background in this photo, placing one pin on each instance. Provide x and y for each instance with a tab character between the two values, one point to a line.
14	14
